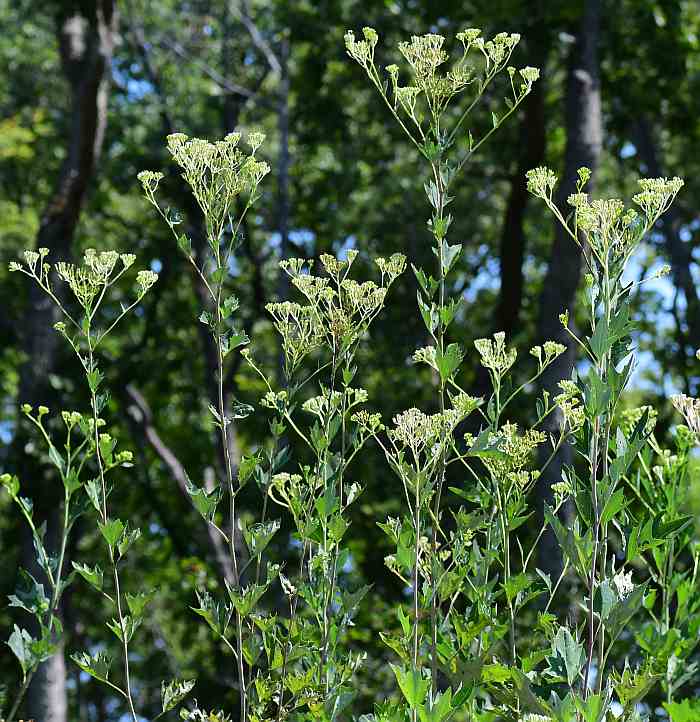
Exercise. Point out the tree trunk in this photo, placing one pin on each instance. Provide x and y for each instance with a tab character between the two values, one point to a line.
85	33
584	136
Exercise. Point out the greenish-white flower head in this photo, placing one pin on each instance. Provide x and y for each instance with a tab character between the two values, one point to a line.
495	356
541	182
217	173
547	353
623	584
689	408
516	451
433	81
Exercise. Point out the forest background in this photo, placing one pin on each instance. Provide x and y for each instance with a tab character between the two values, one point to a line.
88	92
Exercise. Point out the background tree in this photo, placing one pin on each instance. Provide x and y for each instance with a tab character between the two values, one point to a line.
341	179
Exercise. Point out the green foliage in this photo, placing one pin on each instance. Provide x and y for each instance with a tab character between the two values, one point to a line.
477	632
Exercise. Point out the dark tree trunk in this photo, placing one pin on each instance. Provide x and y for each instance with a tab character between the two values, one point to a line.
584	137
85	33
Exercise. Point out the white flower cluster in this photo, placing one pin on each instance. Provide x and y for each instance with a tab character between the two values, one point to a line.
516	449
149	179
298	327
321	405
629	418
338	309
425	56
494	354
84	284
216	172
391	268
368	423
547	353
429	432
657	194
541	182
362	51
562	490
569	402
606	224
623	584
145	280
689	408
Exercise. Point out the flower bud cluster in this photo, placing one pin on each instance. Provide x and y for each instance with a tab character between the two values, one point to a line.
494	354
516	450
338	309
216	172
569	403
547	353
689	408
425	56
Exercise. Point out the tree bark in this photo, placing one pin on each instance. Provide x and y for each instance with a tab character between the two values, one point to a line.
85	33
584	137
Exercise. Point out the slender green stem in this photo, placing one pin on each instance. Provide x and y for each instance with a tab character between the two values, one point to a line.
104	514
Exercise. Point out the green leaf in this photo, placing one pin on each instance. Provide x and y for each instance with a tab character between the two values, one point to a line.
426	282
138	602
686	711
613	506
448	362
204	502
94	379
94	493
412	684
450	254
599	342
112	531
92	575
625	609
241	411
128	538
516	584
20	642
72	482
96	666
404	621
669	529
56	458
216	614
229	306
247	466
258	536
495	673
604	599
429	313
184	244
570	652
438	709
11	483
125	628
